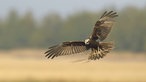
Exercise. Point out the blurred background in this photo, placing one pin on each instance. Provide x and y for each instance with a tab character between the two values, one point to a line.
29	27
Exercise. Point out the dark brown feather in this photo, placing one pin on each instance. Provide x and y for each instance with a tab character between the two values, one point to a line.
103	14
103	26
66	48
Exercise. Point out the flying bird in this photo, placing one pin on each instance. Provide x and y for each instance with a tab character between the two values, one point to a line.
98	49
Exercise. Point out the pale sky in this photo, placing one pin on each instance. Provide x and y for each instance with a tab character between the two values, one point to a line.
63	7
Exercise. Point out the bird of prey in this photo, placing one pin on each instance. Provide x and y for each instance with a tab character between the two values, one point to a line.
98	49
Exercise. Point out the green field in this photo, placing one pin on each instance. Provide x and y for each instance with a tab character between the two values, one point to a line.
31	66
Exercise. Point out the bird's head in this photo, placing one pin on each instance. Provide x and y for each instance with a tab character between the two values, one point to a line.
87	41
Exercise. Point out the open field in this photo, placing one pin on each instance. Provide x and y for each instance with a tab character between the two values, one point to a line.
31	66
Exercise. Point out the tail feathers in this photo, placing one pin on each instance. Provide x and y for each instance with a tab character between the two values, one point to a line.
101	51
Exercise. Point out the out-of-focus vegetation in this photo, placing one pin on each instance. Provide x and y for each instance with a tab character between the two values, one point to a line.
30	66
23	31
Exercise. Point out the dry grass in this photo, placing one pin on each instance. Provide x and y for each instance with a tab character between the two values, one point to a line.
31	66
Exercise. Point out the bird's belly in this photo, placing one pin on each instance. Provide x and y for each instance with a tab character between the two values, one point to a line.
94	44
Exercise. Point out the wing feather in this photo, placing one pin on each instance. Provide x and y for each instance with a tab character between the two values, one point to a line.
103	14
66	48
103	26
108	13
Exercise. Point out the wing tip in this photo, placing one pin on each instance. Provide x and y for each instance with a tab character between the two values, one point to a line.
109	14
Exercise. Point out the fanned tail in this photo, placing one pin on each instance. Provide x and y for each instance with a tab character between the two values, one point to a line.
101	50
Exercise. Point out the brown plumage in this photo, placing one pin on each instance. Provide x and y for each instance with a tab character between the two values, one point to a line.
66	48
98	49
103	26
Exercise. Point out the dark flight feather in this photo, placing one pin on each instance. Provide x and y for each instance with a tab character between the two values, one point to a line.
103	26
66	48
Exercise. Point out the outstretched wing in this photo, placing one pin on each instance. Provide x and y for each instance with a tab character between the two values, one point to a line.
66	48
103	26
